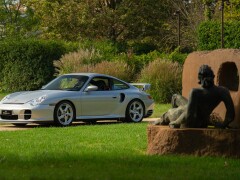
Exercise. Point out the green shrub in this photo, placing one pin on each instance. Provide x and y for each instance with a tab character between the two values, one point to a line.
209	35
106	49
165	78
137	62
176	56
139	48
27	64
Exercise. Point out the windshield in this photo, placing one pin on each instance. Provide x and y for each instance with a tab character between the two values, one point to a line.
67	83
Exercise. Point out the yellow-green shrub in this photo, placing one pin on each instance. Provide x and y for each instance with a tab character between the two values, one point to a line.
85	61
76	61
118	69
165	78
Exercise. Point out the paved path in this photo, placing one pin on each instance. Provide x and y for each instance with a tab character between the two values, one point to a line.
10	127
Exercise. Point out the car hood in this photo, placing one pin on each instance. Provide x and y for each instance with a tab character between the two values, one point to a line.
25	96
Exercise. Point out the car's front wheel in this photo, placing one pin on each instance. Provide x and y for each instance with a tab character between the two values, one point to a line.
64	113
135	111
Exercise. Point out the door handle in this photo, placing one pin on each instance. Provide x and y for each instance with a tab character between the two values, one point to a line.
114	97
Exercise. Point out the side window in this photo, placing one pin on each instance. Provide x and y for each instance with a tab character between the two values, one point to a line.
101	82
68	83
118	85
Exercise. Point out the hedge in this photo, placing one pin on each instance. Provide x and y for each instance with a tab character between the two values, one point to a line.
28	64
209	35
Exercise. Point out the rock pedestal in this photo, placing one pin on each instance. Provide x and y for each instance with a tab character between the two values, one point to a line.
189	141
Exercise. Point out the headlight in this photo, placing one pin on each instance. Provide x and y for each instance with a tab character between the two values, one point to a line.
37	101
5	98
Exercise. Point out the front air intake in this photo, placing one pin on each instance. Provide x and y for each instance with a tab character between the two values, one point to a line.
27	114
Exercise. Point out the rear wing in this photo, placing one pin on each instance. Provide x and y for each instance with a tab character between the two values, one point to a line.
142	86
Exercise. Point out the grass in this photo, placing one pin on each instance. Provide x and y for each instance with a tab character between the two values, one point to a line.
112	151
108	151
159	109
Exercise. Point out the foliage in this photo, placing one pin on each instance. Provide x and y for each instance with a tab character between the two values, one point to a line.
209	6
107	49
165	78
118	69
137	62
138	26
76	61
119	21
209	35
16	19
27	64
174	56
89	61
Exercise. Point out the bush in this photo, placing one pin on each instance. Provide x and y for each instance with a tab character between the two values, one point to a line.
165	78
76	61
105	48
209	35
137	62
118	69
141	47
27	64
88	61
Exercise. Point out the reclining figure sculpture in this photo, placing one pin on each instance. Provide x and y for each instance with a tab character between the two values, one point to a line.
195	112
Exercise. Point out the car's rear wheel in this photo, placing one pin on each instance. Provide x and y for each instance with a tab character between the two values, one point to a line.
135	111
64	113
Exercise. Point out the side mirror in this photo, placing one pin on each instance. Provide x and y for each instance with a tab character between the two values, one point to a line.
43	87
91	88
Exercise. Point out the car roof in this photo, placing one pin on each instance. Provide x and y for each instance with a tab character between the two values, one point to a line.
90	74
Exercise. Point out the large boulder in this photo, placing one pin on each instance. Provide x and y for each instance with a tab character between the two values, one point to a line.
189	141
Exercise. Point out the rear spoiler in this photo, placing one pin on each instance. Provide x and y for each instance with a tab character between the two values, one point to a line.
142	86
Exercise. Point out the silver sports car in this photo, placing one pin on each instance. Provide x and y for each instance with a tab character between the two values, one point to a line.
78	97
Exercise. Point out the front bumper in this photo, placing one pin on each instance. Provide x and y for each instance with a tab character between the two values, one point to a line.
25	113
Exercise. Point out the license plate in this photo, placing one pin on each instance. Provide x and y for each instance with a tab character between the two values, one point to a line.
6	112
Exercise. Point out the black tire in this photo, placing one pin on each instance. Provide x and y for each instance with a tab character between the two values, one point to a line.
20	125
64	113
135	111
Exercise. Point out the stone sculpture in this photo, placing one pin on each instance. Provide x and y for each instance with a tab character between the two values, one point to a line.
196	112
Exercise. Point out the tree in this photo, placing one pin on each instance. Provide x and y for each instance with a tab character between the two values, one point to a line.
16	19
191	15
134	22
118	20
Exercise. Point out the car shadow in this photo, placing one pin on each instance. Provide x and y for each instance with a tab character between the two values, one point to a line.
11	127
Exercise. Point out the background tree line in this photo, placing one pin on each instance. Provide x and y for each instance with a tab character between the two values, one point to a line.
135	40
146	24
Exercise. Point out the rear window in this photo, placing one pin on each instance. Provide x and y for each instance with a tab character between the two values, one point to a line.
118	85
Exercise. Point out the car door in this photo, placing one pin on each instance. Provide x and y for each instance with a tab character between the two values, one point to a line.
102	102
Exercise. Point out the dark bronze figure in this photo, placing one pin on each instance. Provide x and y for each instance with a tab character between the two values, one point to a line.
196	112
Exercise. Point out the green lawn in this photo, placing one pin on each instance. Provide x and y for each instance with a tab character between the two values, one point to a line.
108	151
159	109
103	151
